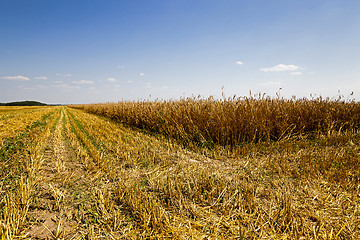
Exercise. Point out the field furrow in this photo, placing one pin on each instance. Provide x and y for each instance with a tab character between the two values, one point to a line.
20	160
76	175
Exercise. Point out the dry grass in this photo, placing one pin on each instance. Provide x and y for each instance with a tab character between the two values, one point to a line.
15	119
235	120
276	169
20	157
99	178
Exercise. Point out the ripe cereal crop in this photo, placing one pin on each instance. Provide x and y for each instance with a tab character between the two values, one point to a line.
238	168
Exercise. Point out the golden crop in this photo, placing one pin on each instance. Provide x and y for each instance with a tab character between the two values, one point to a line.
235	120
281	189
14	120
19	165
77	175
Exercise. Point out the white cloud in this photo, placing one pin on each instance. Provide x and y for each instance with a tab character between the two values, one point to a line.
41	78
141	74
117	86
120	67
280	68
42	86
296	73
27	88
130	81
63	74
111	79
239	62
16	78
270	83
66	86
83	82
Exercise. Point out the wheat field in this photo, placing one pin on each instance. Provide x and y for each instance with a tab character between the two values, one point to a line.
238	168
235	120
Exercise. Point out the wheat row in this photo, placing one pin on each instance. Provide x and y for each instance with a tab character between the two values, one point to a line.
233	121
156	188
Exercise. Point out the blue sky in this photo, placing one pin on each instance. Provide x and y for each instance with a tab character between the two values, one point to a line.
62	51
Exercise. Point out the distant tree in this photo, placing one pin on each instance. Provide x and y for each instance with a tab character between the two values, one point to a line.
23	103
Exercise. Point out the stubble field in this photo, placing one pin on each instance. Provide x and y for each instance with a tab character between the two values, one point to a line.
189	169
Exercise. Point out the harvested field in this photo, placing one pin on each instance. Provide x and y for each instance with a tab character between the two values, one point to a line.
70	174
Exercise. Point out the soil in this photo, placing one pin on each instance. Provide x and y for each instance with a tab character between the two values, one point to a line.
60	208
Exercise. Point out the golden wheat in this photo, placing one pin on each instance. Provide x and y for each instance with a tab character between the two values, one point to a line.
92	177
258	190
235	120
